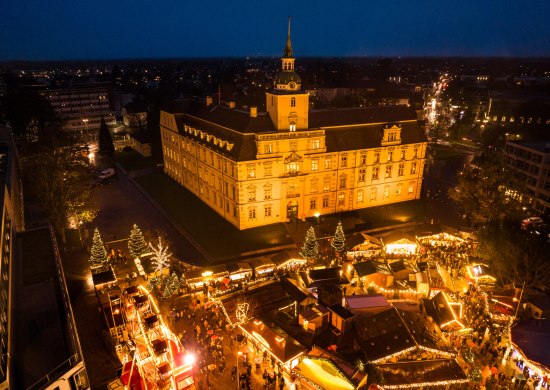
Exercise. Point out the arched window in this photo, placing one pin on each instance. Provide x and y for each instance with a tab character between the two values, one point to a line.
293	102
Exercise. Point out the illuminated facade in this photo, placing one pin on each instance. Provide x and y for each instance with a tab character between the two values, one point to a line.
256	168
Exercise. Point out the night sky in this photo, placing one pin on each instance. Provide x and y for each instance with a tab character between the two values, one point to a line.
77	29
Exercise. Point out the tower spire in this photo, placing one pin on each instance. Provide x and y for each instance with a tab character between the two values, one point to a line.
288	47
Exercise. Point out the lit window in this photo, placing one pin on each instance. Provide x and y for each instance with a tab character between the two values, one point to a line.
251	171
292	168
328	163
398	189
360	196
314	165
373	193
268	148
411	188
315	144
413	168
292	126
341	199
388	171
386	192
326	184
251	195
390	155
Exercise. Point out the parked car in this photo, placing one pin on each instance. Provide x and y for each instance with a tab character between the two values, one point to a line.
106	174
531	222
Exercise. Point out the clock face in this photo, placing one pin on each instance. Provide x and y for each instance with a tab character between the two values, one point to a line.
292	85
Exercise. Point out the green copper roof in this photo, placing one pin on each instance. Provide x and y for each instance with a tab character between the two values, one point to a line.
286	77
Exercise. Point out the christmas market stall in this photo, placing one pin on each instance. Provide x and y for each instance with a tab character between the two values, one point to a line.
111	306
529	347
288	260
399	244
448	315
239	271
408	349
313	278
200	277
363	246
314	318
438	235
103	278
371	272
479	274
263	267
282	348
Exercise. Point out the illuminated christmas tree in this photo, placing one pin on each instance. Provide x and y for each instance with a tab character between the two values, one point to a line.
310	249
136	243
98	257
339	240
161	256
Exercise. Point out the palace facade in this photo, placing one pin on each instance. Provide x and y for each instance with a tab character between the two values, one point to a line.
255	168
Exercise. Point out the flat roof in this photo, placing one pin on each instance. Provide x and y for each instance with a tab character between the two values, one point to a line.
42	336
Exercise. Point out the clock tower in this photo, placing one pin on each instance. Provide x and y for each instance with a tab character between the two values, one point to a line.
287	104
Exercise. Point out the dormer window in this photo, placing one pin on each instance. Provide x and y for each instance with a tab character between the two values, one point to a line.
391	135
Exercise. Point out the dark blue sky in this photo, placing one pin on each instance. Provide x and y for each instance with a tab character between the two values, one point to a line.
77	29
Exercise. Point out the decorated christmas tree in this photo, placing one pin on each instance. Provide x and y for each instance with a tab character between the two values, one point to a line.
339	240
175	282
98	257
310	249
161	256
136	243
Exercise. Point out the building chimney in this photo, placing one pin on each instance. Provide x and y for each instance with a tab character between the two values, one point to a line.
209	101
231	104
253	112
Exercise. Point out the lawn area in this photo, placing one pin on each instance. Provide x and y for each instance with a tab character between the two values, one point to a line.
133	161
217	236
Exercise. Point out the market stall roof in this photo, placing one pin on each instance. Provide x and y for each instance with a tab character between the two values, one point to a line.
370	267
107	276
262	262
365	240
216	271
140	298
113	315
397	266
393	331
317	277
266	298
132	290
293	291
341	311
352	373
442	312
323	374
421	373
282	258
277	342
314	312
238	267
159	346
354	240
533	338
395	237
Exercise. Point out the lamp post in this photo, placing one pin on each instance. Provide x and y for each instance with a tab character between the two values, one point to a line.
239	353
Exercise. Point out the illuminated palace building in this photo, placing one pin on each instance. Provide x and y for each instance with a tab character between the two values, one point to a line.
255	168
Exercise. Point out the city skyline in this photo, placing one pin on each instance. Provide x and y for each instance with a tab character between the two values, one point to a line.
77	31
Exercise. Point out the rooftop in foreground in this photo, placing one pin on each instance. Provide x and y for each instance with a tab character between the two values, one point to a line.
43	340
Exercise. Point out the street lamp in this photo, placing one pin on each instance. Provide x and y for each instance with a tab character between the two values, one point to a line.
239	353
